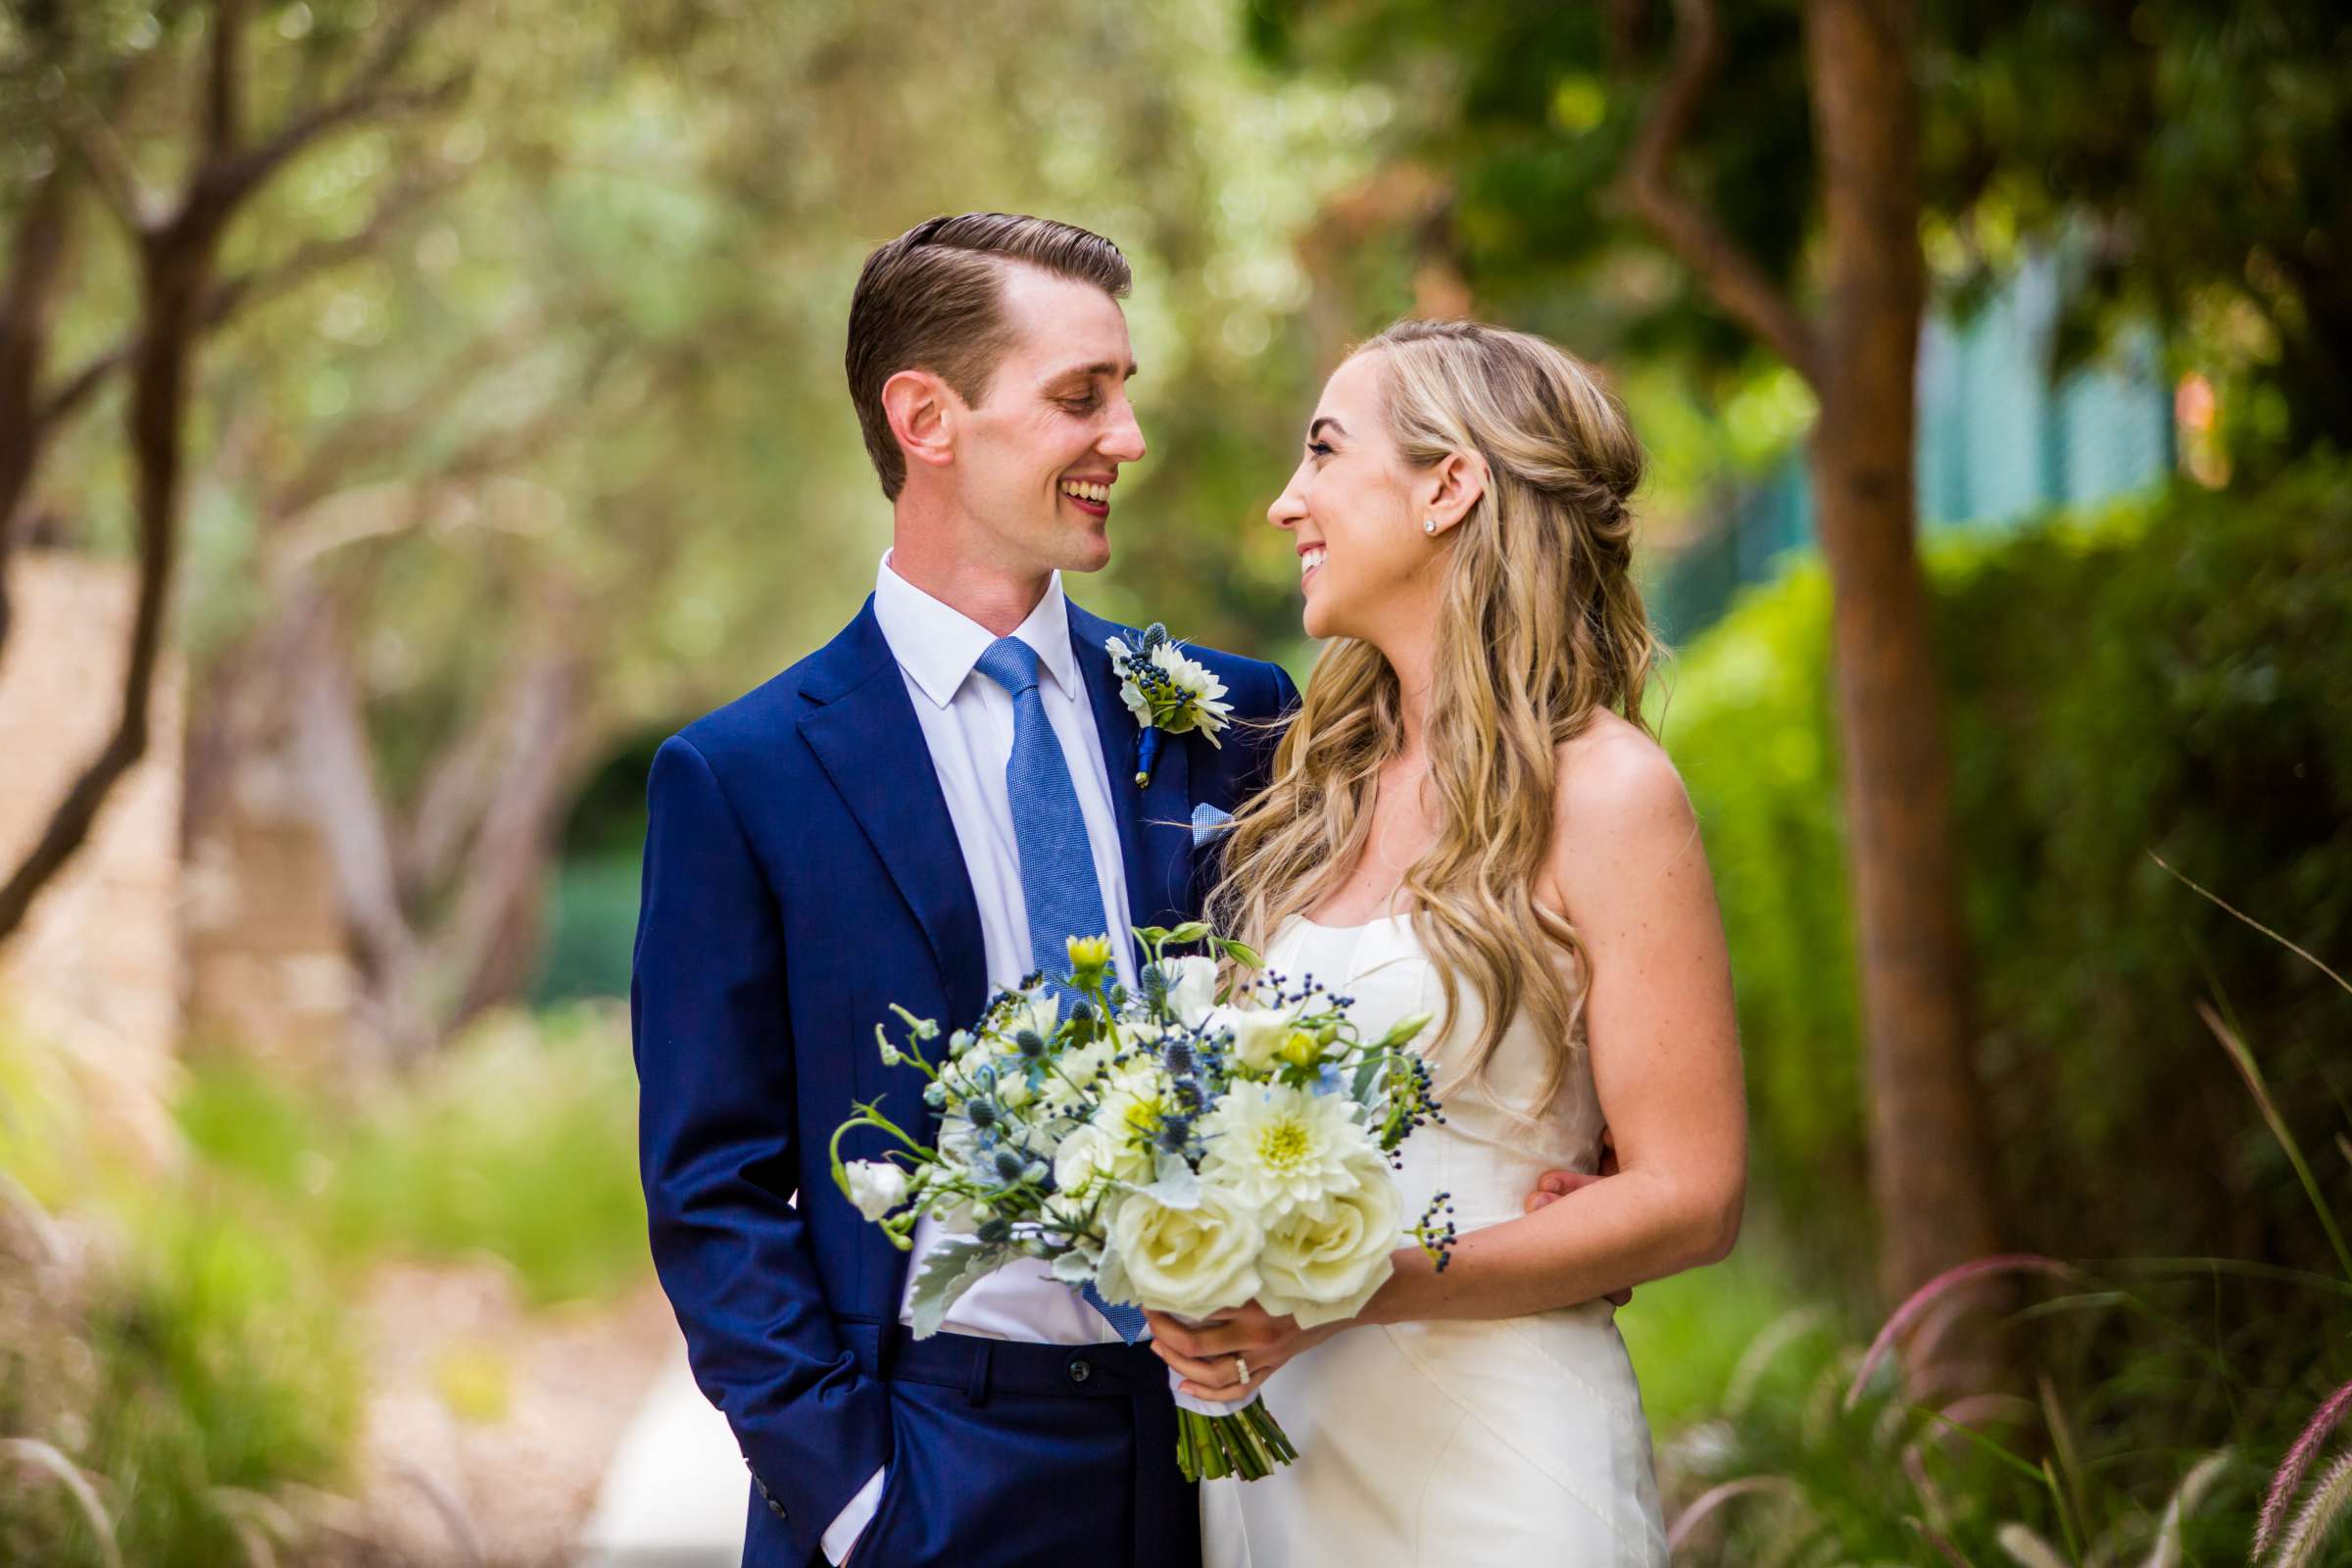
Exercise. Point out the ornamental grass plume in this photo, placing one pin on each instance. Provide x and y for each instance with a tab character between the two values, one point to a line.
1951	1279
2297	1464
2316	1522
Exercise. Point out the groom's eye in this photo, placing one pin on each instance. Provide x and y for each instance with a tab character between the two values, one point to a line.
1082	405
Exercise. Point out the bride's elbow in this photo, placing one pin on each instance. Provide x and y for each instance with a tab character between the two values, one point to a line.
1714	1226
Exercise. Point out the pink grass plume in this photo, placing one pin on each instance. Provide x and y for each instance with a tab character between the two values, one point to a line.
1927	1294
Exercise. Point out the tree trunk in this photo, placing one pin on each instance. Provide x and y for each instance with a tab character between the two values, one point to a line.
497	925
1930	1168
174	267
36	262
335	762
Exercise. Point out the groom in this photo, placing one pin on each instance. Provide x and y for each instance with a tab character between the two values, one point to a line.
844	838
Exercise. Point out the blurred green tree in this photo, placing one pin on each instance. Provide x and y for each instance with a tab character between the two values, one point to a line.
1545	153
557	455
108	80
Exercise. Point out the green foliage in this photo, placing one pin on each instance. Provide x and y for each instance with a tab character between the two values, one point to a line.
1687	1333
2105	1465
519	1141
2167	680
223	1363
185	1355
592	928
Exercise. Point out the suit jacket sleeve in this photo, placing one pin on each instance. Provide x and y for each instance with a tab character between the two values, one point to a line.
717	1154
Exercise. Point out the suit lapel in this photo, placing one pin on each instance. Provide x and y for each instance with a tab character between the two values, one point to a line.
1155	833
870	744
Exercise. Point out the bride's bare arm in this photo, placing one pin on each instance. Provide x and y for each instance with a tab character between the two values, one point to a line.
1628	867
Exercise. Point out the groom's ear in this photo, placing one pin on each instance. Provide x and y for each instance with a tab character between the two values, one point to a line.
923	410
1451	487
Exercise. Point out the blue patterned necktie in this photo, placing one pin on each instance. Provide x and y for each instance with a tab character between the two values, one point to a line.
1059	887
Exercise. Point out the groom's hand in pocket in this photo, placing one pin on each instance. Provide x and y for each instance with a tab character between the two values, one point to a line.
1558	1184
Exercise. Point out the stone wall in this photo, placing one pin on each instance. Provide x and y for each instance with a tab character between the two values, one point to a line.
97	967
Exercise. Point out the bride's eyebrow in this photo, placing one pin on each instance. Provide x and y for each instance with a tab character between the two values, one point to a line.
1314	431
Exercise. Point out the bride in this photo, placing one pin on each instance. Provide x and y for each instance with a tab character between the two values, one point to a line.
1469	817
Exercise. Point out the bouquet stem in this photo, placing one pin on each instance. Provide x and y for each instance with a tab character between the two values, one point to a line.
1248	1443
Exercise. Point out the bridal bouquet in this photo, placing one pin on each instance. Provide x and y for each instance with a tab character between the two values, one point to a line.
1169	1147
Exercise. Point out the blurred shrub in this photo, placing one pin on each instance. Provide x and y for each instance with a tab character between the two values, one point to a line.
592	927
519	1141
170	1360
2173	676
1818	1454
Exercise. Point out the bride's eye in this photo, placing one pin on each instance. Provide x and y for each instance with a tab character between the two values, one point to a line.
1320	449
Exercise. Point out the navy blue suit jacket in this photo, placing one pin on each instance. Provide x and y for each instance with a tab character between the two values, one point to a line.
801	875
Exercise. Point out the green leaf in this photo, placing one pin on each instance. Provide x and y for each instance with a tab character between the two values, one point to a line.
950	1268
1189	931
1241	953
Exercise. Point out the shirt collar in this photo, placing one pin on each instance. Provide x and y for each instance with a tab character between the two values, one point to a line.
938	644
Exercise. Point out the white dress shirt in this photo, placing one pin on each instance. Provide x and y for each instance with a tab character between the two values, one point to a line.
967	727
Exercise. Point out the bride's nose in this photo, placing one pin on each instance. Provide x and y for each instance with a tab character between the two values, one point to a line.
1288	507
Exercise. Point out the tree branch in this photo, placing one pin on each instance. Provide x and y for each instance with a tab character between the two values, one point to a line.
261	284
92	141
27	298
1738	286
224	83
229	182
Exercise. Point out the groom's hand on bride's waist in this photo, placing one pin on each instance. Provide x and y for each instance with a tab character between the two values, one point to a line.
1558	1184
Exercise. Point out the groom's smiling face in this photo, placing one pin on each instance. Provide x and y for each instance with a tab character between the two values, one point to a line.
1036	457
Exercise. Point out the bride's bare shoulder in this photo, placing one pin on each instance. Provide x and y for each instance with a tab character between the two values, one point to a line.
1617	801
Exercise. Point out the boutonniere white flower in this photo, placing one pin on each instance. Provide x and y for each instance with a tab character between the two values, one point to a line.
1166	691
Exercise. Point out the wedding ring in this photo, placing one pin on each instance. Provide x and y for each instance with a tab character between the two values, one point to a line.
1240	1364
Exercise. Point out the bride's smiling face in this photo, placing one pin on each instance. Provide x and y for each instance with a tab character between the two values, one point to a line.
1350	507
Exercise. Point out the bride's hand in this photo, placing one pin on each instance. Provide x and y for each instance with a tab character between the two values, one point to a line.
1210	1355
1558	1184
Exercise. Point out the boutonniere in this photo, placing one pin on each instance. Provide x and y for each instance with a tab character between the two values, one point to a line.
1166	691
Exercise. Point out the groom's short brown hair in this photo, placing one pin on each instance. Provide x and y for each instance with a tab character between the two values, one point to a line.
932	300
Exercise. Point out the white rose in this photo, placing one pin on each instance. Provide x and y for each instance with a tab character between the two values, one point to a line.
1192	988
1322	1261
1095	1151
1192	1261
876	1187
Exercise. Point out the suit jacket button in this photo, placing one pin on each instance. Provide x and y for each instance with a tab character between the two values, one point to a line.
1081	1369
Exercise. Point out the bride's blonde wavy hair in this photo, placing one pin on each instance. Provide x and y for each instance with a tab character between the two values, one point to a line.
1540	626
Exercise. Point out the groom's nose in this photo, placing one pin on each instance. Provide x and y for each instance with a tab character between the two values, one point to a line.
1123	442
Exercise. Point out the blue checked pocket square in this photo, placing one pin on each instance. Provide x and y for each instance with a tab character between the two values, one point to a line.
1207	822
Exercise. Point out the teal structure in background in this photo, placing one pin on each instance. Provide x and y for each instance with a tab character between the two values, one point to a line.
1999	442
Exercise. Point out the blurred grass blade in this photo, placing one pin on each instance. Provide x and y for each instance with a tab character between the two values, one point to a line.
2025	1548
54	1464
2075	1503
1714	1497
2301	952
2184	1499
2243	1060
2001	1452
1943	1549
2296	1464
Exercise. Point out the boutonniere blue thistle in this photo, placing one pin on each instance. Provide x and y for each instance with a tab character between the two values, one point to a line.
1166	691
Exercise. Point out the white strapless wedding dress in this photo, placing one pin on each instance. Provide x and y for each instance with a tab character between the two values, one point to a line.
1511	1441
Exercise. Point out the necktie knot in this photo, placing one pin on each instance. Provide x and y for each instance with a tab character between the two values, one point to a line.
1011	663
